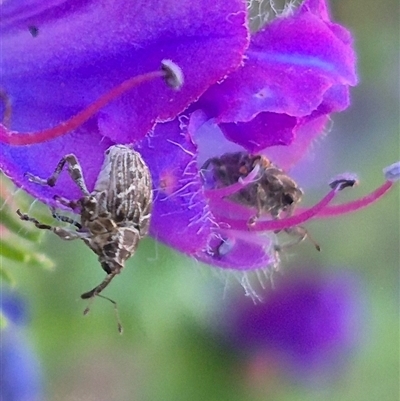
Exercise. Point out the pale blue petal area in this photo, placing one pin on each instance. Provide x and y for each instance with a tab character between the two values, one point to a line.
20	372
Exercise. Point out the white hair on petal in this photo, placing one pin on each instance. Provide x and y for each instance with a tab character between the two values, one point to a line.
263	11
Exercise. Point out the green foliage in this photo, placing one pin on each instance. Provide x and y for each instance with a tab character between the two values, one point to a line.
3	321
18	240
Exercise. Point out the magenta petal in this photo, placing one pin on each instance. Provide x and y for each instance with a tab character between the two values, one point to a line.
336	99
291	66
181	217
306	133
81	49
229	251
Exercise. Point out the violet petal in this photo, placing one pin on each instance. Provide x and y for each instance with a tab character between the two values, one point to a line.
306	133
181	217
311	318
291	66
82	49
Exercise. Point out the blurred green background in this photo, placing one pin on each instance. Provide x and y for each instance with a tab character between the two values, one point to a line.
168	302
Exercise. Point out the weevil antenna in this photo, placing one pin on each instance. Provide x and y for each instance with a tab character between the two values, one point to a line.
96	293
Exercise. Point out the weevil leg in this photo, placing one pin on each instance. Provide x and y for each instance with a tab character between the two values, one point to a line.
66	202
301	234
99	288
253	219
63	233
66	219
74	170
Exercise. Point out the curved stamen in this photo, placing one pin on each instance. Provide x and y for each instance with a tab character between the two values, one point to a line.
391	173
336	210
232	189
277	225
173	77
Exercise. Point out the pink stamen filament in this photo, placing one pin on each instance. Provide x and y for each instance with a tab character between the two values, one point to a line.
277	225
18	138
232	189
336	210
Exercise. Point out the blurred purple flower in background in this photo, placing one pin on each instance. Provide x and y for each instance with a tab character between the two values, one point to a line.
308	327
268	93
20	373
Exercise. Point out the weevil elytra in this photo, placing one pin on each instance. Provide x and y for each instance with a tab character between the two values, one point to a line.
114	216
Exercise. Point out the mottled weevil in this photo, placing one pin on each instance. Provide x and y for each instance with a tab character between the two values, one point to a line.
113	217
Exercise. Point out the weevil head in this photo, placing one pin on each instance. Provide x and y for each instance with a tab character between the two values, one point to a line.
116	248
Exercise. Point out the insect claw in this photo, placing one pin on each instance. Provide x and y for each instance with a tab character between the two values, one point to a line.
29	177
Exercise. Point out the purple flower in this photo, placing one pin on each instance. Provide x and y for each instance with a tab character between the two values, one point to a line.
310	322
19	369
78	77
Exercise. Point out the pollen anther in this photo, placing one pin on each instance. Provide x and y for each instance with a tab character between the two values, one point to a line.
392	172
173	74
